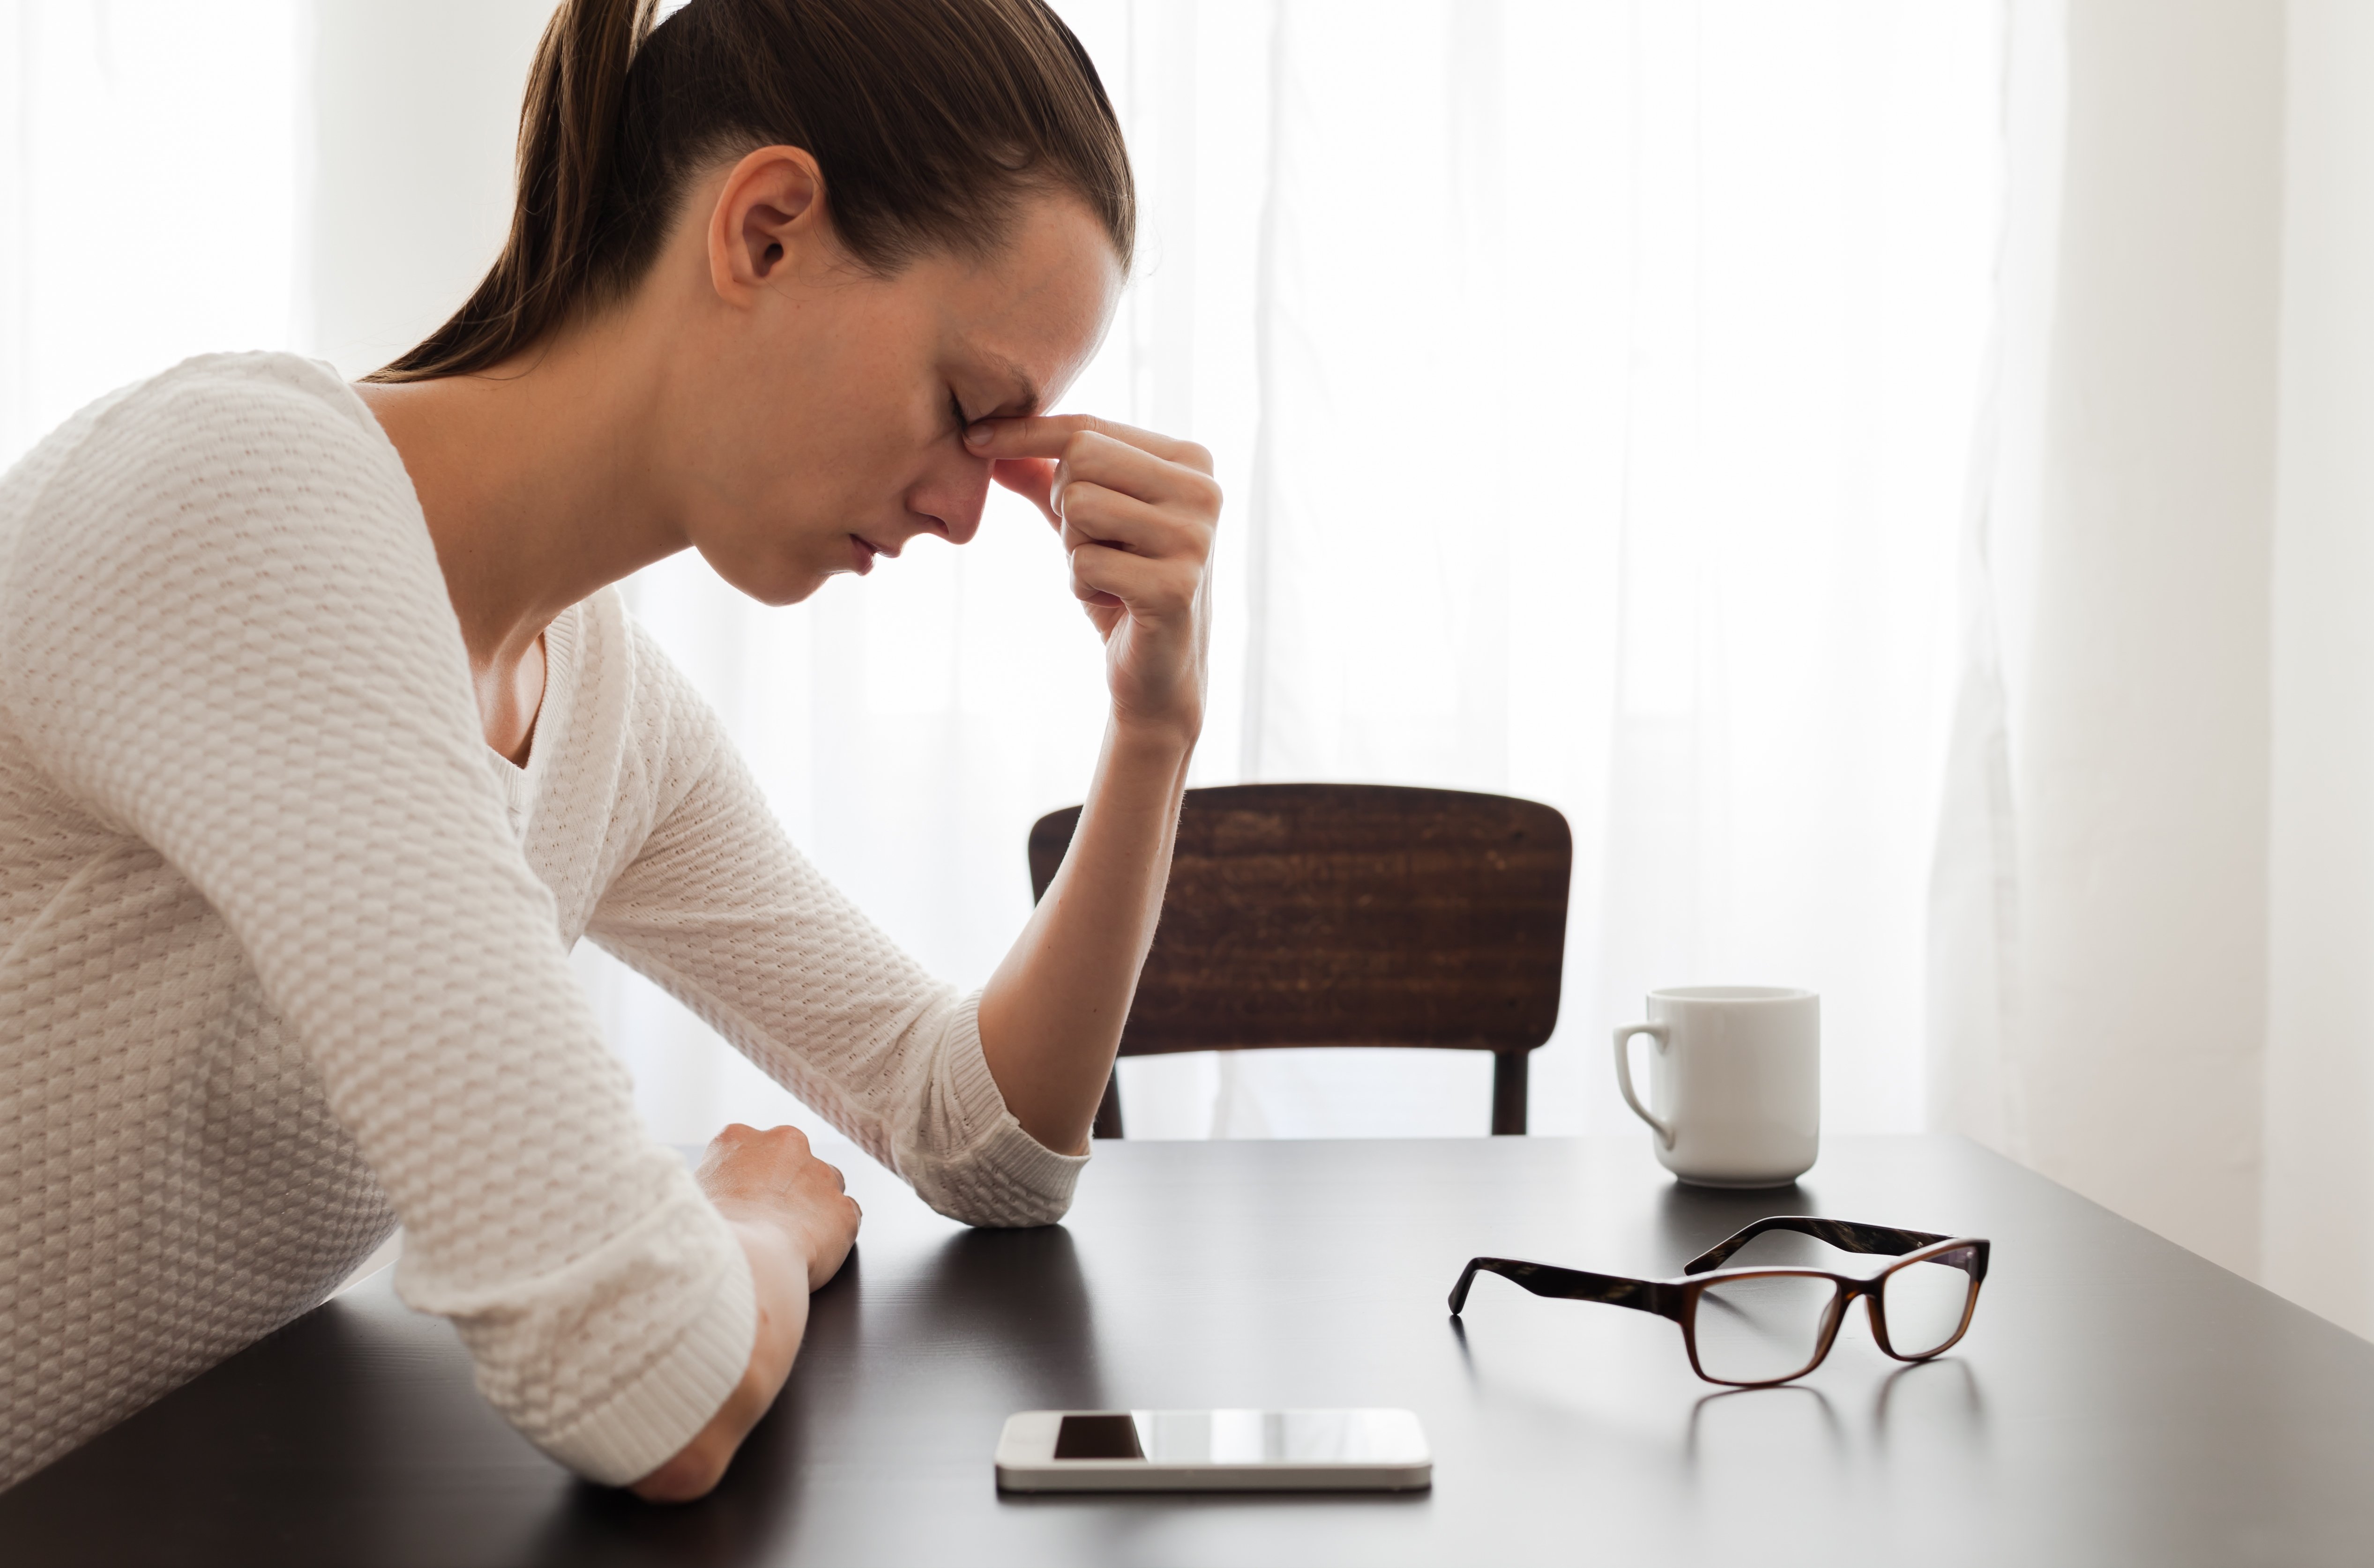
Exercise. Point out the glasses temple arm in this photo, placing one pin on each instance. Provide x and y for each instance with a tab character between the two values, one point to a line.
1844	1235
1570	1284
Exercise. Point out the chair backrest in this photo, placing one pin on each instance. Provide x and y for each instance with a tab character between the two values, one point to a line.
1352	915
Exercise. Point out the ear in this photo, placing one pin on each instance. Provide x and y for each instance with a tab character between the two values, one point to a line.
770	215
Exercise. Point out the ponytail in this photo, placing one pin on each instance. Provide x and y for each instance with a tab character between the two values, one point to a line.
930	121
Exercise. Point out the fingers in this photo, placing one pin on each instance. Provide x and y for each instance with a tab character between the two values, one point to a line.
1137	513
1097	481
1099	460
1153	590
1051	454
1050	436
1168	513
1095	515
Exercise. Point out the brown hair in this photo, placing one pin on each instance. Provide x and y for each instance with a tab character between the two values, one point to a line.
930	120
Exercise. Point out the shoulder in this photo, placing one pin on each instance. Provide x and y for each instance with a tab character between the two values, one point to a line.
205	435
280	407
235	509
227	458
228	385
255	381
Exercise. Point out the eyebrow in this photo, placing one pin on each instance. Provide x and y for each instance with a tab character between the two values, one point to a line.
1026	390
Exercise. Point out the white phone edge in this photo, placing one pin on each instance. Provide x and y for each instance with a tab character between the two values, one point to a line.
1028	1436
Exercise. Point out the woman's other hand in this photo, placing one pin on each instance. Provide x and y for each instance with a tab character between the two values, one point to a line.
771	1180
1136	512
796	1225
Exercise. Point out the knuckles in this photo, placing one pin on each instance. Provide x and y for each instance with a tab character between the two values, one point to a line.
1206	493
738	1136
1091	457
1179	593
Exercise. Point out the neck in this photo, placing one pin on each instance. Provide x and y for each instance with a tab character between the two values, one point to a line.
537	479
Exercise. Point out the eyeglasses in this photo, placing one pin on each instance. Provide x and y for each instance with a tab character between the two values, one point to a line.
1752	1327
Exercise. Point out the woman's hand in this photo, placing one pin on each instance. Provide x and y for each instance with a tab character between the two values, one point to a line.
796	1225
1136	512
770	1180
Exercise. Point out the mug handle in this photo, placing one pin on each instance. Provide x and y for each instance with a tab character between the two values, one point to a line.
1662	1034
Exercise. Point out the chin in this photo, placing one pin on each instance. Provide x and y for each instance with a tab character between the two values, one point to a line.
786	590
775	582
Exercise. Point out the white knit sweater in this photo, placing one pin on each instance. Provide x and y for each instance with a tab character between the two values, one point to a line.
283	947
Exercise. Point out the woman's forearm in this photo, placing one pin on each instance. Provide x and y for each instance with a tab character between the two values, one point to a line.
1053	1015
779	1280
795	1224
1136	512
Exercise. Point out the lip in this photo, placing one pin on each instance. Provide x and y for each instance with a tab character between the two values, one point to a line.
862	553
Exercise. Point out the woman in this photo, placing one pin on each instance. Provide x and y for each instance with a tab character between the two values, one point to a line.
322	738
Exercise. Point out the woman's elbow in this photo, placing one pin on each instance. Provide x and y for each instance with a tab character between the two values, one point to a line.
992	1203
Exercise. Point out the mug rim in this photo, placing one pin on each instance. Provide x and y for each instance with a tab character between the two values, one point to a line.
1732	994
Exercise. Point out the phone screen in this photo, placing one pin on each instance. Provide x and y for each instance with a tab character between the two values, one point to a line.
1243	1437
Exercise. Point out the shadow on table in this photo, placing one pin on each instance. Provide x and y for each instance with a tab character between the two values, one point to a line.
1790	1396
1019	1302
1931	1402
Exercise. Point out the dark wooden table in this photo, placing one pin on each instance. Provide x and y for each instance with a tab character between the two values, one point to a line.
2118	1400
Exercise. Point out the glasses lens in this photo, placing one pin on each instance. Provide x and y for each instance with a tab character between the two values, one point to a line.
1923	1301
1762	1326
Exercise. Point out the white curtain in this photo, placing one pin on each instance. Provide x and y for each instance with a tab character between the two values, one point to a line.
149	204
1592	380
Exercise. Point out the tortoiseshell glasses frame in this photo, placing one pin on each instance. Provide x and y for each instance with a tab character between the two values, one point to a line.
1679	1299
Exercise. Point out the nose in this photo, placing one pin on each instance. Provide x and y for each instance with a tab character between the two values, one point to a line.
951	497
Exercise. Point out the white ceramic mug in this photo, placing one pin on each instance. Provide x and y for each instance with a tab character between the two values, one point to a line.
1737	1081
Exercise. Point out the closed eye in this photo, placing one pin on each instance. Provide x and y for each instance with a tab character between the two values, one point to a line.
956	406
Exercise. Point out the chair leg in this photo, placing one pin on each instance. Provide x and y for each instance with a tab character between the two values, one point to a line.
1509	1093
1108	1109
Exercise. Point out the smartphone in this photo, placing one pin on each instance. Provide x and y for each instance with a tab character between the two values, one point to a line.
1214	1451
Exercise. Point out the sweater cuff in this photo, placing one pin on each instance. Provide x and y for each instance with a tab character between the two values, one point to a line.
648	1421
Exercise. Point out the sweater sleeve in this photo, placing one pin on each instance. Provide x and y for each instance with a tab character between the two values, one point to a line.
226	633
724	913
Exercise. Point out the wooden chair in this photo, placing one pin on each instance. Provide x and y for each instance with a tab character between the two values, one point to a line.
1350	915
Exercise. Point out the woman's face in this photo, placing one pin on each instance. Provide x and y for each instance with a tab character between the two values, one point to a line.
828	430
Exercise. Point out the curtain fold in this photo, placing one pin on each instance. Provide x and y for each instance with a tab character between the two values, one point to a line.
1974	1084
2099	975
2318	1135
